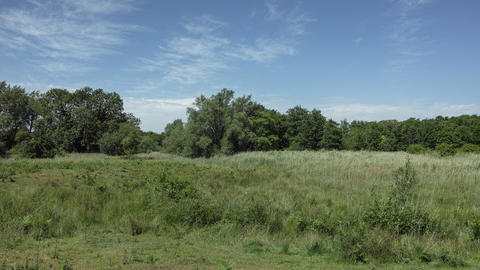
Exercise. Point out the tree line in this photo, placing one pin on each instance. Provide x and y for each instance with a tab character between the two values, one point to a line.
227	125
38	125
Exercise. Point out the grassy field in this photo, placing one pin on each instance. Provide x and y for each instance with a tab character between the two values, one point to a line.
262	210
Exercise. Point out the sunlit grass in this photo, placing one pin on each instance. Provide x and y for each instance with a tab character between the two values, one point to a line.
86	199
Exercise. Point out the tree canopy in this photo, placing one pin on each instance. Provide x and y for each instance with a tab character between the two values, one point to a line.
37	125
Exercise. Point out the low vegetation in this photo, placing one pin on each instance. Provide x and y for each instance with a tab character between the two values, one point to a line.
258	210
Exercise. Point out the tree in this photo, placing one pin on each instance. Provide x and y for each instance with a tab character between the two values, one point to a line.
18	111
268	126
332	136
125	140
174	141
304	128
216	124
77	121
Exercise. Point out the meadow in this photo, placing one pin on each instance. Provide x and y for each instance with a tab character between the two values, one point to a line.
256	210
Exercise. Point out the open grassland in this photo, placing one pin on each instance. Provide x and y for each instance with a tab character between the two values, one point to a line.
261	210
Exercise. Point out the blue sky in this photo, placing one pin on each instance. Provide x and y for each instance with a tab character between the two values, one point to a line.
356	59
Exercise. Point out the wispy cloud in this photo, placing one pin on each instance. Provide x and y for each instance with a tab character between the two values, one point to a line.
64	29
264	50
295	19
408	44
202	52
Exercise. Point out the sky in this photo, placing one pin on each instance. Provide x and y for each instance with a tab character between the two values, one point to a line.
366	60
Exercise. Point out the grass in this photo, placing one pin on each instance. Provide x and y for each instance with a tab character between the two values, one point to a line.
248	211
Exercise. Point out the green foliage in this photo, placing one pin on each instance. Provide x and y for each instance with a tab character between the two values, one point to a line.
304	129
445	149
470	148
316	249
399	213
387	144
37	146
451	260
194	212
148	144
174	141
268	127
218	124
473	222
352	245
125	140
252	212
416	149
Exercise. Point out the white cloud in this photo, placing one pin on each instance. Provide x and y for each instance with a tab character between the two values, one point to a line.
377	112
157	113
264	51
203	24
408	44
201	53
102	7
64	30
295	19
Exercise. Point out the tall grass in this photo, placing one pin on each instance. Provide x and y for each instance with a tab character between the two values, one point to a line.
315	202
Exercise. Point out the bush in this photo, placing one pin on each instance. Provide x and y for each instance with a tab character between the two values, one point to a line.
399	213
125	140
445	149
470	148
38	146
416	149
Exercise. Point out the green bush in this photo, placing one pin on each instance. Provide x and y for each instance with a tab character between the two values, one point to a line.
125	140
416	149
38	146
399	213
470	148
445	149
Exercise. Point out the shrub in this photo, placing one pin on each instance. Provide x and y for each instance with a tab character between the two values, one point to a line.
399	213
125	140
416	149
445	149
38	146
470	148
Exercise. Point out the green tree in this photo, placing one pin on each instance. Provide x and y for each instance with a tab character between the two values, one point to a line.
76	121
125	140
18	111
268	127
304	128
332	136
174	141
218	124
